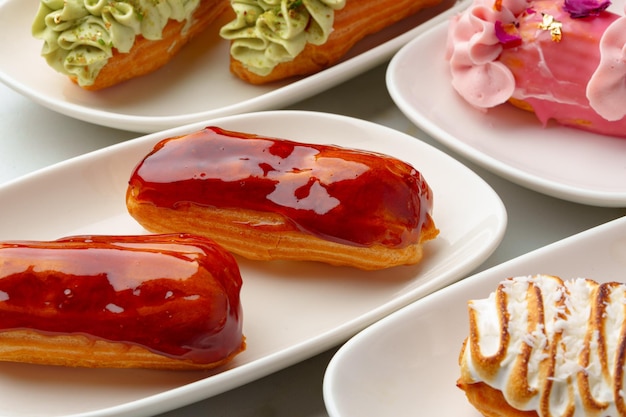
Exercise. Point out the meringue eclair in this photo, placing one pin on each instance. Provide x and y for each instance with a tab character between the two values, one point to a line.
542	346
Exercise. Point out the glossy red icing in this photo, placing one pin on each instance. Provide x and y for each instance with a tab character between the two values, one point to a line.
177	295
349	196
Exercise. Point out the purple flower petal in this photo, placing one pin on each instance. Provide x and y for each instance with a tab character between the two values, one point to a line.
585	8
507	34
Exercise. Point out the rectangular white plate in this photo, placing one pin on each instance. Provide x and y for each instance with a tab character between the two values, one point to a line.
407	364
196	85
291	310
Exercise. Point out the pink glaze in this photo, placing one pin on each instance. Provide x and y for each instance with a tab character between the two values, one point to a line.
552	77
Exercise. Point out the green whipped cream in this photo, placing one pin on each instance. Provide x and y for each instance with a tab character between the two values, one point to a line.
80	35
268	32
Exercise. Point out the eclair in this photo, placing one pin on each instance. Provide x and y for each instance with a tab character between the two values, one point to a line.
278	39
269	198
562	60
100	43
155	301
540	346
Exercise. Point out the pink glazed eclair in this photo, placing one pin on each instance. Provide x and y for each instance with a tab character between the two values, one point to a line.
561	59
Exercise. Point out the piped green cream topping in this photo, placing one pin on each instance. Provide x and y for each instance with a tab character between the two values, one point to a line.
265	33
80	35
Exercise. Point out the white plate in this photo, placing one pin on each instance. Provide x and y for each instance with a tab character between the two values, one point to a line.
195	86
284	318
562	162
406	364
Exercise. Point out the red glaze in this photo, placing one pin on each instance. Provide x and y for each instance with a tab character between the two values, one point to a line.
343	195
176	295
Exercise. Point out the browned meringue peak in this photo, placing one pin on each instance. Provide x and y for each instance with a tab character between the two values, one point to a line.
552	346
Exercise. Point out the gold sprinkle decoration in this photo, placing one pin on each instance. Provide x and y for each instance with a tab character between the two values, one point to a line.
553	25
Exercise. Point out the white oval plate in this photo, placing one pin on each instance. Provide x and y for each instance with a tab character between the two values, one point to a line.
284	318
195	86
406	364
561	162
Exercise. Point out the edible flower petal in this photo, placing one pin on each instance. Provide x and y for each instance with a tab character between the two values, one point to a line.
507	34
585	8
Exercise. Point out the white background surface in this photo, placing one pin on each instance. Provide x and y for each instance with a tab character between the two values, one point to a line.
33	137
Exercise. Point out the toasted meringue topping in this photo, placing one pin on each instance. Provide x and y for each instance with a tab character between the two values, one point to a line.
551	346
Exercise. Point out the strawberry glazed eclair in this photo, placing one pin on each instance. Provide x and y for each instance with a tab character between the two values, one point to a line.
561	59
